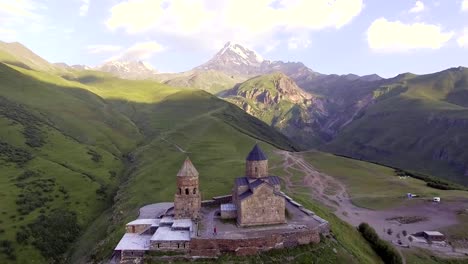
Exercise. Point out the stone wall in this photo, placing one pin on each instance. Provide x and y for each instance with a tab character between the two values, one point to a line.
136	228
170	245
208	247
256	168
263	207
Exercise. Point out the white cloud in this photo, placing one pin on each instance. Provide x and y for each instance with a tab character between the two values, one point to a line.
19	16
464	5
99	49
462	40
297	43
84	7
388	36
418	7
139	51
246	21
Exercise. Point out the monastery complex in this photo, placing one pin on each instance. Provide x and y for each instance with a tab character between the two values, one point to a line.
256	217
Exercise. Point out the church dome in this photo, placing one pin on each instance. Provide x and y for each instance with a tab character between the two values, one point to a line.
256	154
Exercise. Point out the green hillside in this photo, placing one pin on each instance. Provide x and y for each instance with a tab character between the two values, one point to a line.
211	81
82	154
417	123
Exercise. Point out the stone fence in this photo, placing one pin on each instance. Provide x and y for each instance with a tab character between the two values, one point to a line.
210	247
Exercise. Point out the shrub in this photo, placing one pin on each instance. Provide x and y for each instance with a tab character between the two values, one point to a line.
384	249
53	234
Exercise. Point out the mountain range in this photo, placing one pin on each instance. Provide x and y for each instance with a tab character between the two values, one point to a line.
326	111
82	148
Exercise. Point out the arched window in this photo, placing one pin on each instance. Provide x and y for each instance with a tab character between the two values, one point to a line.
194	190
186	191
180	190
256	170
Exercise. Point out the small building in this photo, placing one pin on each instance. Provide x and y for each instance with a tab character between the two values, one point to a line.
141	226
433	236
228	211
133	245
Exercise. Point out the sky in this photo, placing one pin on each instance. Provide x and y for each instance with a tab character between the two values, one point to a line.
329	36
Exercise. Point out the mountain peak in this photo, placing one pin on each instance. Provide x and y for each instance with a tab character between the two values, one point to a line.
128	69
234	58
238	49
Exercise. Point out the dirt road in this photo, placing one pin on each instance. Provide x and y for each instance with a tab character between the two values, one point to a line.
332	193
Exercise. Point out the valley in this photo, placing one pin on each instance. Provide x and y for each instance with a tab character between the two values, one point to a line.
82	149
348	190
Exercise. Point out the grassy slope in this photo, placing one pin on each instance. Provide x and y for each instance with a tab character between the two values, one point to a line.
74	121
210	81
71	122
373	186
418	124
377	187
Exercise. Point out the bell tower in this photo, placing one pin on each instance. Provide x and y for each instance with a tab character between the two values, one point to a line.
187	200
256	164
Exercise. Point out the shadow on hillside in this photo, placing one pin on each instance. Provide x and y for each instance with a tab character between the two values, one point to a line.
18	64
152	119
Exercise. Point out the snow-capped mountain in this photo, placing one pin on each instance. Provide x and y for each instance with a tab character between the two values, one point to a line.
234	59
129	69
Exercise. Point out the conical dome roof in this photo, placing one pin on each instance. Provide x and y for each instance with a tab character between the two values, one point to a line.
256	154
187	169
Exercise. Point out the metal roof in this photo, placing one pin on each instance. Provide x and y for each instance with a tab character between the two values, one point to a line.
256	183
152	222
165	233
228	207
275	180
241	181
133	241
256	154
182	224
245	194
433	233
188	169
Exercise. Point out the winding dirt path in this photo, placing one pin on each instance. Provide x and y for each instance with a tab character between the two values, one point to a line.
332	193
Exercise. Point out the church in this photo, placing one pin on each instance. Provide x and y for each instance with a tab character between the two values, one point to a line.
257	197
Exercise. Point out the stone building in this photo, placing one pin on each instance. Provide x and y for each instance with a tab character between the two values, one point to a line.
257	196
187	200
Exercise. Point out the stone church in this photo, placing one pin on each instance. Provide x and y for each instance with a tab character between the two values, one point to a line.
256	196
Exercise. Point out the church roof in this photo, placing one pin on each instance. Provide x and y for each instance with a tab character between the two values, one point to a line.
274	180
256	154
256	183
246	194
188	169
241	181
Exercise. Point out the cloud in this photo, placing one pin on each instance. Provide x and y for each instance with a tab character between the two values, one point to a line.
418	7
464	5
253	23
84	7
99	49
297	42
462	40
20	15
139	51
387	36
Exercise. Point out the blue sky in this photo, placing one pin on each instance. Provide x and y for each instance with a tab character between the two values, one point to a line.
329	36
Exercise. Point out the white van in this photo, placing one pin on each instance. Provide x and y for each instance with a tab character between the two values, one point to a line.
436	199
